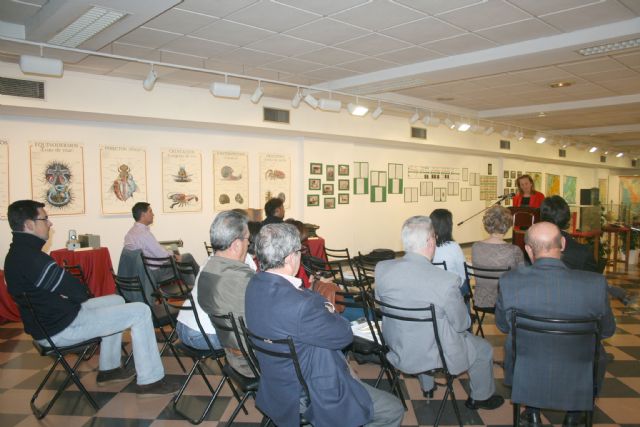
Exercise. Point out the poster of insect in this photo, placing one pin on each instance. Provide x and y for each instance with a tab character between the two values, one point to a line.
123	178
57	177
4	178
275	178
230	180
181	180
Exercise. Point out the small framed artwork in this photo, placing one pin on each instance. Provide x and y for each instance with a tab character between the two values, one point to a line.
343	184
519	173
343	170
513	174
315	169
327	190
343	199
314	184
331	172
313	200
506	174
509	183
489	169
329	202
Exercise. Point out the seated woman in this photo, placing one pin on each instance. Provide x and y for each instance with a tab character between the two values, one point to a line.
494	252
447	249
527	194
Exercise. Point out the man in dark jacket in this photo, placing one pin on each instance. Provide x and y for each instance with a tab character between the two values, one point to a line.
68	315
274	210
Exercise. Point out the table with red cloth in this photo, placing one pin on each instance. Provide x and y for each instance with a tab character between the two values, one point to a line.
96	266
8	309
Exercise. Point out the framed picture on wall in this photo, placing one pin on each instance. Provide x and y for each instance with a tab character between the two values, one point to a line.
509	183
343	198
329	202
506	174
519	173
343	170
314	184
313	200
327	190
315	169
513	175
343	184
331	173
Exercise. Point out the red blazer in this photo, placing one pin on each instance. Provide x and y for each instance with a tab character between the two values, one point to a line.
534	201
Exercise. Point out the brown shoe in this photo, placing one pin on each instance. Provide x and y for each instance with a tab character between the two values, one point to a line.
162	387
116	375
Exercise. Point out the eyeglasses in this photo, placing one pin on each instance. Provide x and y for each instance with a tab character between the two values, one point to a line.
46	218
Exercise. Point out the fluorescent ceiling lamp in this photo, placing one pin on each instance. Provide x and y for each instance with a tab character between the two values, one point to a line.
377	112
357	109
88	25
463	126
609	47
593	149
150	81
309	99
489	130
540	139
41	66
295	102
449	123
225	90
620	154
414	118
255	98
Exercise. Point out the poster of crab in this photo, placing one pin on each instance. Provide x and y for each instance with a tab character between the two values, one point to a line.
123	178
181	180
230	180
4	178
57	177
275	178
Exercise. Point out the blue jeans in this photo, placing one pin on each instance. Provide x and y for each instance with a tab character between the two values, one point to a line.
107	317
195	339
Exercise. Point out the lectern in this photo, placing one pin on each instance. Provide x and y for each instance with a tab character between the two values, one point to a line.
523	218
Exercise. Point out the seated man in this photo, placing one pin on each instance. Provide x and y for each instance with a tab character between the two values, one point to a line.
274	210
140	237
68	315
412	281
278	306
223	280
548	288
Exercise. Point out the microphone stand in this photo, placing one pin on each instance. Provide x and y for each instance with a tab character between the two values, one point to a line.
500	200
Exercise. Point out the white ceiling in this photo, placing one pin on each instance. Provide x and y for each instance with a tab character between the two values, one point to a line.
488	59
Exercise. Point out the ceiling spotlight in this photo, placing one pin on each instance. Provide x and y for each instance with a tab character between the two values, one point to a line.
449	123
415	117
463	126
309	99
225	90
620	154
593	149
489	130
540	139
377	112
357	109
295	102
41	66
150	81
520	135
329	104
255	98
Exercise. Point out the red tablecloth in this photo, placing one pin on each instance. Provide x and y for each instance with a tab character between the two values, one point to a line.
316	247
8	309
96	266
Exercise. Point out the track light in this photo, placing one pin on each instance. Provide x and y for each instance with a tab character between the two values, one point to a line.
150	81
330	105
449	123
41	66
295	102
377	112
489	130
463	126
309	99
414	118
225	90
357	109
540	139
620	154
519	135
593	149
255	98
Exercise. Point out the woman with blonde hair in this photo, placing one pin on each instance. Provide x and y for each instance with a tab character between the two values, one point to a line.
527	194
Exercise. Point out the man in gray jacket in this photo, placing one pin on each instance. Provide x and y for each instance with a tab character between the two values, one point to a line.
413	282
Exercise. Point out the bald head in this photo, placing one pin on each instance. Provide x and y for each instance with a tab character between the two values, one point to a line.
544	240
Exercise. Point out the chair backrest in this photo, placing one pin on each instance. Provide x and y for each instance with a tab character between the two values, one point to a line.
164	266
76	271
191	307
187	273
279	348
443	263
228	323
132	290
208	248
322	268
343	256
555	361
366	272
478	274
130	265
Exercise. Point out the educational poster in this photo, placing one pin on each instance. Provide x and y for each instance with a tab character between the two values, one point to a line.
488	187
411	195
123	178
230	180
4	178
466	194
434	172
474	179
426	188
360	178
378	187
453	188
396	173
630	193
275	178
537	179
553	185
569	189
181	180
440	194
57	177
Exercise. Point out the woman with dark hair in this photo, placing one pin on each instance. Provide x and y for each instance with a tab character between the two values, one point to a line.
527	194
446	248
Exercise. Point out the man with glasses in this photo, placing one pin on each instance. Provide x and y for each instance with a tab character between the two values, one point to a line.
277	306
68	315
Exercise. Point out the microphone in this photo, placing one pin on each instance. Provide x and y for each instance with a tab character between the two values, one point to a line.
506	196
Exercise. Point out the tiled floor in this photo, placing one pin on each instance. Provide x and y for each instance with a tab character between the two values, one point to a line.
21	369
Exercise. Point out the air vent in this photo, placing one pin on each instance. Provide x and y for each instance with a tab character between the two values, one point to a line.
505	145
562	153
420	133
603	159
634	163
23	88
275	115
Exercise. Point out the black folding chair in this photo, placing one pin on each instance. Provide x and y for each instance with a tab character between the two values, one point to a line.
442	264
208	248
483	275
163	275
81	349
342	257
535	341
426	315
76	271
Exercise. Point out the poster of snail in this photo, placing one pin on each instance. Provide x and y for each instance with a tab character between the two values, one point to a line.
4	178
57	177
275	178
123	178
230	180
181	180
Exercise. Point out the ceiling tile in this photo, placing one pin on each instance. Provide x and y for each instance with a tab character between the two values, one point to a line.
327	31
538	8
272	16
220	8
196	46
267	74
187	77
590	66
303	80
456	87
179	21
139	70
410	55
17	13
497	80
248	57
378	15
233	33
623	86
148	37
330	56
330	73
460	44
368	65
324	7
373	44
180	59
628	59
132	51
518	31
484	15
422	31
632	4
284	45
434	7
543	74
611	75
589	16
99	64
292	65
